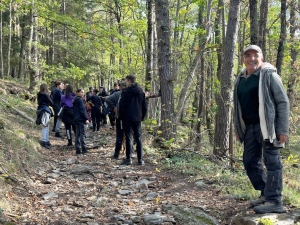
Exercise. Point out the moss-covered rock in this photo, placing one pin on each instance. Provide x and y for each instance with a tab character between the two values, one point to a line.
191	216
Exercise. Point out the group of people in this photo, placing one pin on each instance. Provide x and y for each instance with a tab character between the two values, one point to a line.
126	107
261	121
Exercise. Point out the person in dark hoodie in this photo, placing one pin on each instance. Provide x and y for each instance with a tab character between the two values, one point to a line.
132	111
113	103
68	113
56	94
96	103
80	119
44	101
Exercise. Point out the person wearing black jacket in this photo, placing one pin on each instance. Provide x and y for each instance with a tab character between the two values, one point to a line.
96	103
56	94
132	111
44	101
80	119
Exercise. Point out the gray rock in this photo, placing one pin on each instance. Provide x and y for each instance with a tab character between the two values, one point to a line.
88	215
50	180
79	169
71	161
152	219
100	202
278	219
200	184
125	192
119	217
50	195
92	223
2	220
54	175
191	216
136	219
151	196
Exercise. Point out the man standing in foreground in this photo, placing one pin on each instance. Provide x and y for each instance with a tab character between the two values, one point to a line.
261	120
132	111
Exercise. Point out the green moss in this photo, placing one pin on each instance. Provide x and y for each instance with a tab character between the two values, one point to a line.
265	221
204	219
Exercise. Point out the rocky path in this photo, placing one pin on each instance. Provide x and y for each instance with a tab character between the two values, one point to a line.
94	189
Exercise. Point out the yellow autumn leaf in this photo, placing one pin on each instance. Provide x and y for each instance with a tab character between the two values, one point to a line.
157	170
157	200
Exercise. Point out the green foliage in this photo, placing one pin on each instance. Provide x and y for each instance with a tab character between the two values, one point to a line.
265	221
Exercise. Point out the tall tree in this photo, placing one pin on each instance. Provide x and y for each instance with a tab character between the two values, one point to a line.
224	102
262	33
280	50
294	52
253	22
1	45
164	69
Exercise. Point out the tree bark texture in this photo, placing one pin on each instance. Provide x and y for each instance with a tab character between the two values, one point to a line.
253	22
263	18
280	50
164	70
292	81
226	77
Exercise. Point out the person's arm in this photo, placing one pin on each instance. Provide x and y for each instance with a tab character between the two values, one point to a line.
144	107
282	106
49	100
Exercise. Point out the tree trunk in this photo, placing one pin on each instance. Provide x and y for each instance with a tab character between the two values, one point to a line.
263	26
9	38
165	77
1	46
253	22
22	47
224	102
280	50
192	68
294	74
34	66
201	97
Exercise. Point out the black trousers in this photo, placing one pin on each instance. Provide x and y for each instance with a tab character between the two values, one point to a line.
96	118
258	153
134	128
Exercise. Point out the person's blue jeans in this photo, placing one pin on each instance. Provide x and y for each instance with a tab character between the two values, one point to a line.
258	153
45	133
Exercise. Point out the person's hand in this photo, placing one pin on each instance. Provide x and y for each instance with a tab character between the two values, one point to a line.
87	122
281	138
115	109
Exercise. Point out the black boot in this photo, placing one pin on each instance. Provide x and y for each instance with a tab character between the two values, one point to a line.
44	144
57	134
84	151
70	142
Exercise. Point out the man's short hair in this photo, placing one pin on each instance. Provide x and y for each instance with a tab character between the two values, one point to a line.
57	83
131	78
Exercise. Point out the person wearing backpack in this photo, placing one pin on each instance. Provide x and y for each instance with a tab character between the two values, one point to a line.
44	113
68	113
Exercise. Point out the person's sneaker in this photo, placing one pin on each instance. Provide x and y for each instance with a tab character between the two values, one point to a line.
57	134
44	144
259	201
141	162
84	151
126	162
269	207
48	143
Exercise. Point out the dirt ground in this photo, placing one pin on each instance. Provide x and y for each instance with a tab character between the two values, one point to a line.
54	192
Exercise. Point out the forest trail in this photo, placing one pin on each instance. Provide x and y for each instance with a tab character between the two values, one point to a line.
94	189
